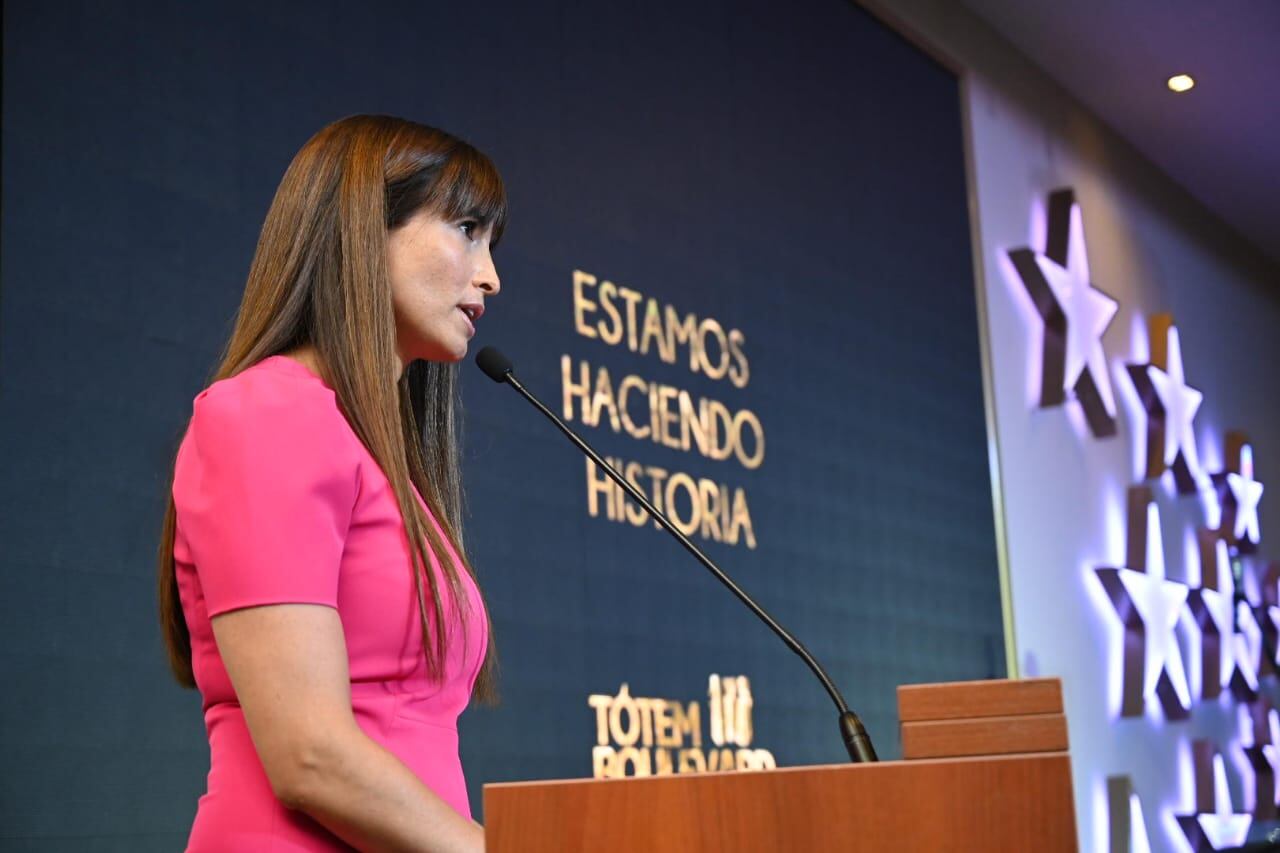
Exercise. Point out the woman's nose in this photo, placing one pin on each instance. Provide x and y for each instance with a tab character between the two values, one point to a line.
487	279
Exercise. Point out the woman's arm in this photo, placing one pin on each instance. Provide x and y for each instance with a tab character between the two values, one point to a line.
288	665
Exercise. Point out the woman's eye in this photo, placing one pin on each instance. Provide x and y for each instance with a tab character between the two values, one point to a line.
469	228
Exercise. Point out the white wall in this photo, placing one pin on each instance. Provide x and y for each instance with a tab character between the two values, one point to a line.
1061	492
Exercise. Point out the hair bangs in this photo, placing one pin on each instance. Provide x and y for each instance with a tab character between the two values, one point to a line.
474	189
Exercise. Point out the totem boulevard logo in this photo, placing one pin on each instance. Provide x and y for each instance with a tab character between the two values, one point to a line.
648	736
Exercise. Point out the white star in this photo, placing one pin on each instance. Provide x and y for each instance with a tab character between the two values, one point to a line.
1247	493
1159	602
1273	613
1180	402
1223	827
1219	605
1248	646
1270	751
1088	312
1138	840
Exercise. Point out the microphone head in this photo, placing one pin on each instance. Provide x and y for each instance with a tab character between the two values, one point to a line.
495	365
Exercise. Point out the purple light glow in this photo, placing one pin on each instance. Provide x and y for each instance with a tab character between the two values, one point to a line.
1079	423
1212	508
1115	640
1248	653
1211	444
1267	749
1101	814
1034	338
1136	414
1180	402
1038	225
1211	610
1138	840
1273	613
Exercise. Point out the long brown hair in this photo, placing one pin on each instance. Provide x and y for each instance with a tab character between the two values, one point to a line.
319	277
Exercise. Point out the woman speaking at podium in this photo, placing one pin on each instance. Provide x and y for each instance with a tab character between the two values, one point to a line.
313	583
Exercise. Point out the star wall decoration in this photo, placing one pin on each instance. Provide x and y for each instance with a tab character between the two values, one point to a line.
1170	405
1247	652
1268	577
1257	625
1128	830
1262	732
1213	611
1148	606
1075	315
1213	825
1239	494
1267	620
1269	629
1267	614
1269	582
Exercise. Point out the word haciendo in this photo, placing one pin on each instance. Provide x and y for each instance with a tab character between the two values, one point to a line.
661	413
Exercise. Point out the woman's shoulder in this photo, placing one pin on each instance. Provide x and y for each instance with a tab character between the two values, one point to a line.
274	383
276	396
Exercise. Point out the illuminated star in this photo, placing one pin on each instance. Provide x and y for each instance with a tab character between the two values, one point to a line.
1171	405
1212	608
1264	757
1247	493
1089	311
1180	401
1248	653
1239	494
1213	826
1128	827
1267	615
1075	315
1273	630
1148	606
1266	620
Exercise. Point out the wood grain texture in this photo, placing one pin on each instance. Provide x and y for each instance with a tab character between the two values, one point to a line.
966	699
984	736
995	804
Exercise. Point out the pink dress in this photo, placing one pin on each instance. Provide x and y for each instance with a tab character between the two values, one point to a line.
278	501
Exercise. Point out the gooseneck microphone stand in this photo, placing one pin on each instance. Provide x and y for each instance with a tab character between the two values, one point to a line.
856	741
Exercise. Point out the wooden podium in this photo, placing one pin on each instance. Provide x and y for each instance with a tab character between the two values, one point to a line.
985	768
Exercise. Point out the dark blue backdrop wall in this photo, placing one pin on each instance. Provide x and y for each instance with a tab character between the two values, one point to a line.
793	171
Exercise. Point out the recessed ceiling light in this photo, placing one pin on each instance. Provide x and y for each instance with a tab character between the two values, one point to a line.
1181	82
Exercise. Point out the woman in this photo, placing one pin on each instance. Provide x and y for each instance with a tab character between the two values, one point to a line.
333	656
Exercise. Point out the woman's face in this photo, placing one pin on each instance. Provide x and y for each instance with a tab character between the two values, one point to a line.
437	267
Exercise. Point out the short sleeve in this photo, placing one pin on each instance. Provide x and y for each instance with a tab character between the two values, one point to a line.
264	488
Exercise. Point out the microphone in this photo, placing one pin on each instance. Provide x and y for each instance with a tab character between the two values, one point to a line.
856	740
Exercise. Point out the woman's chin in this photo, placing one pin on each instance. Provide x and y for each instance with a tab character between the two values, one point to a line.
452	352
